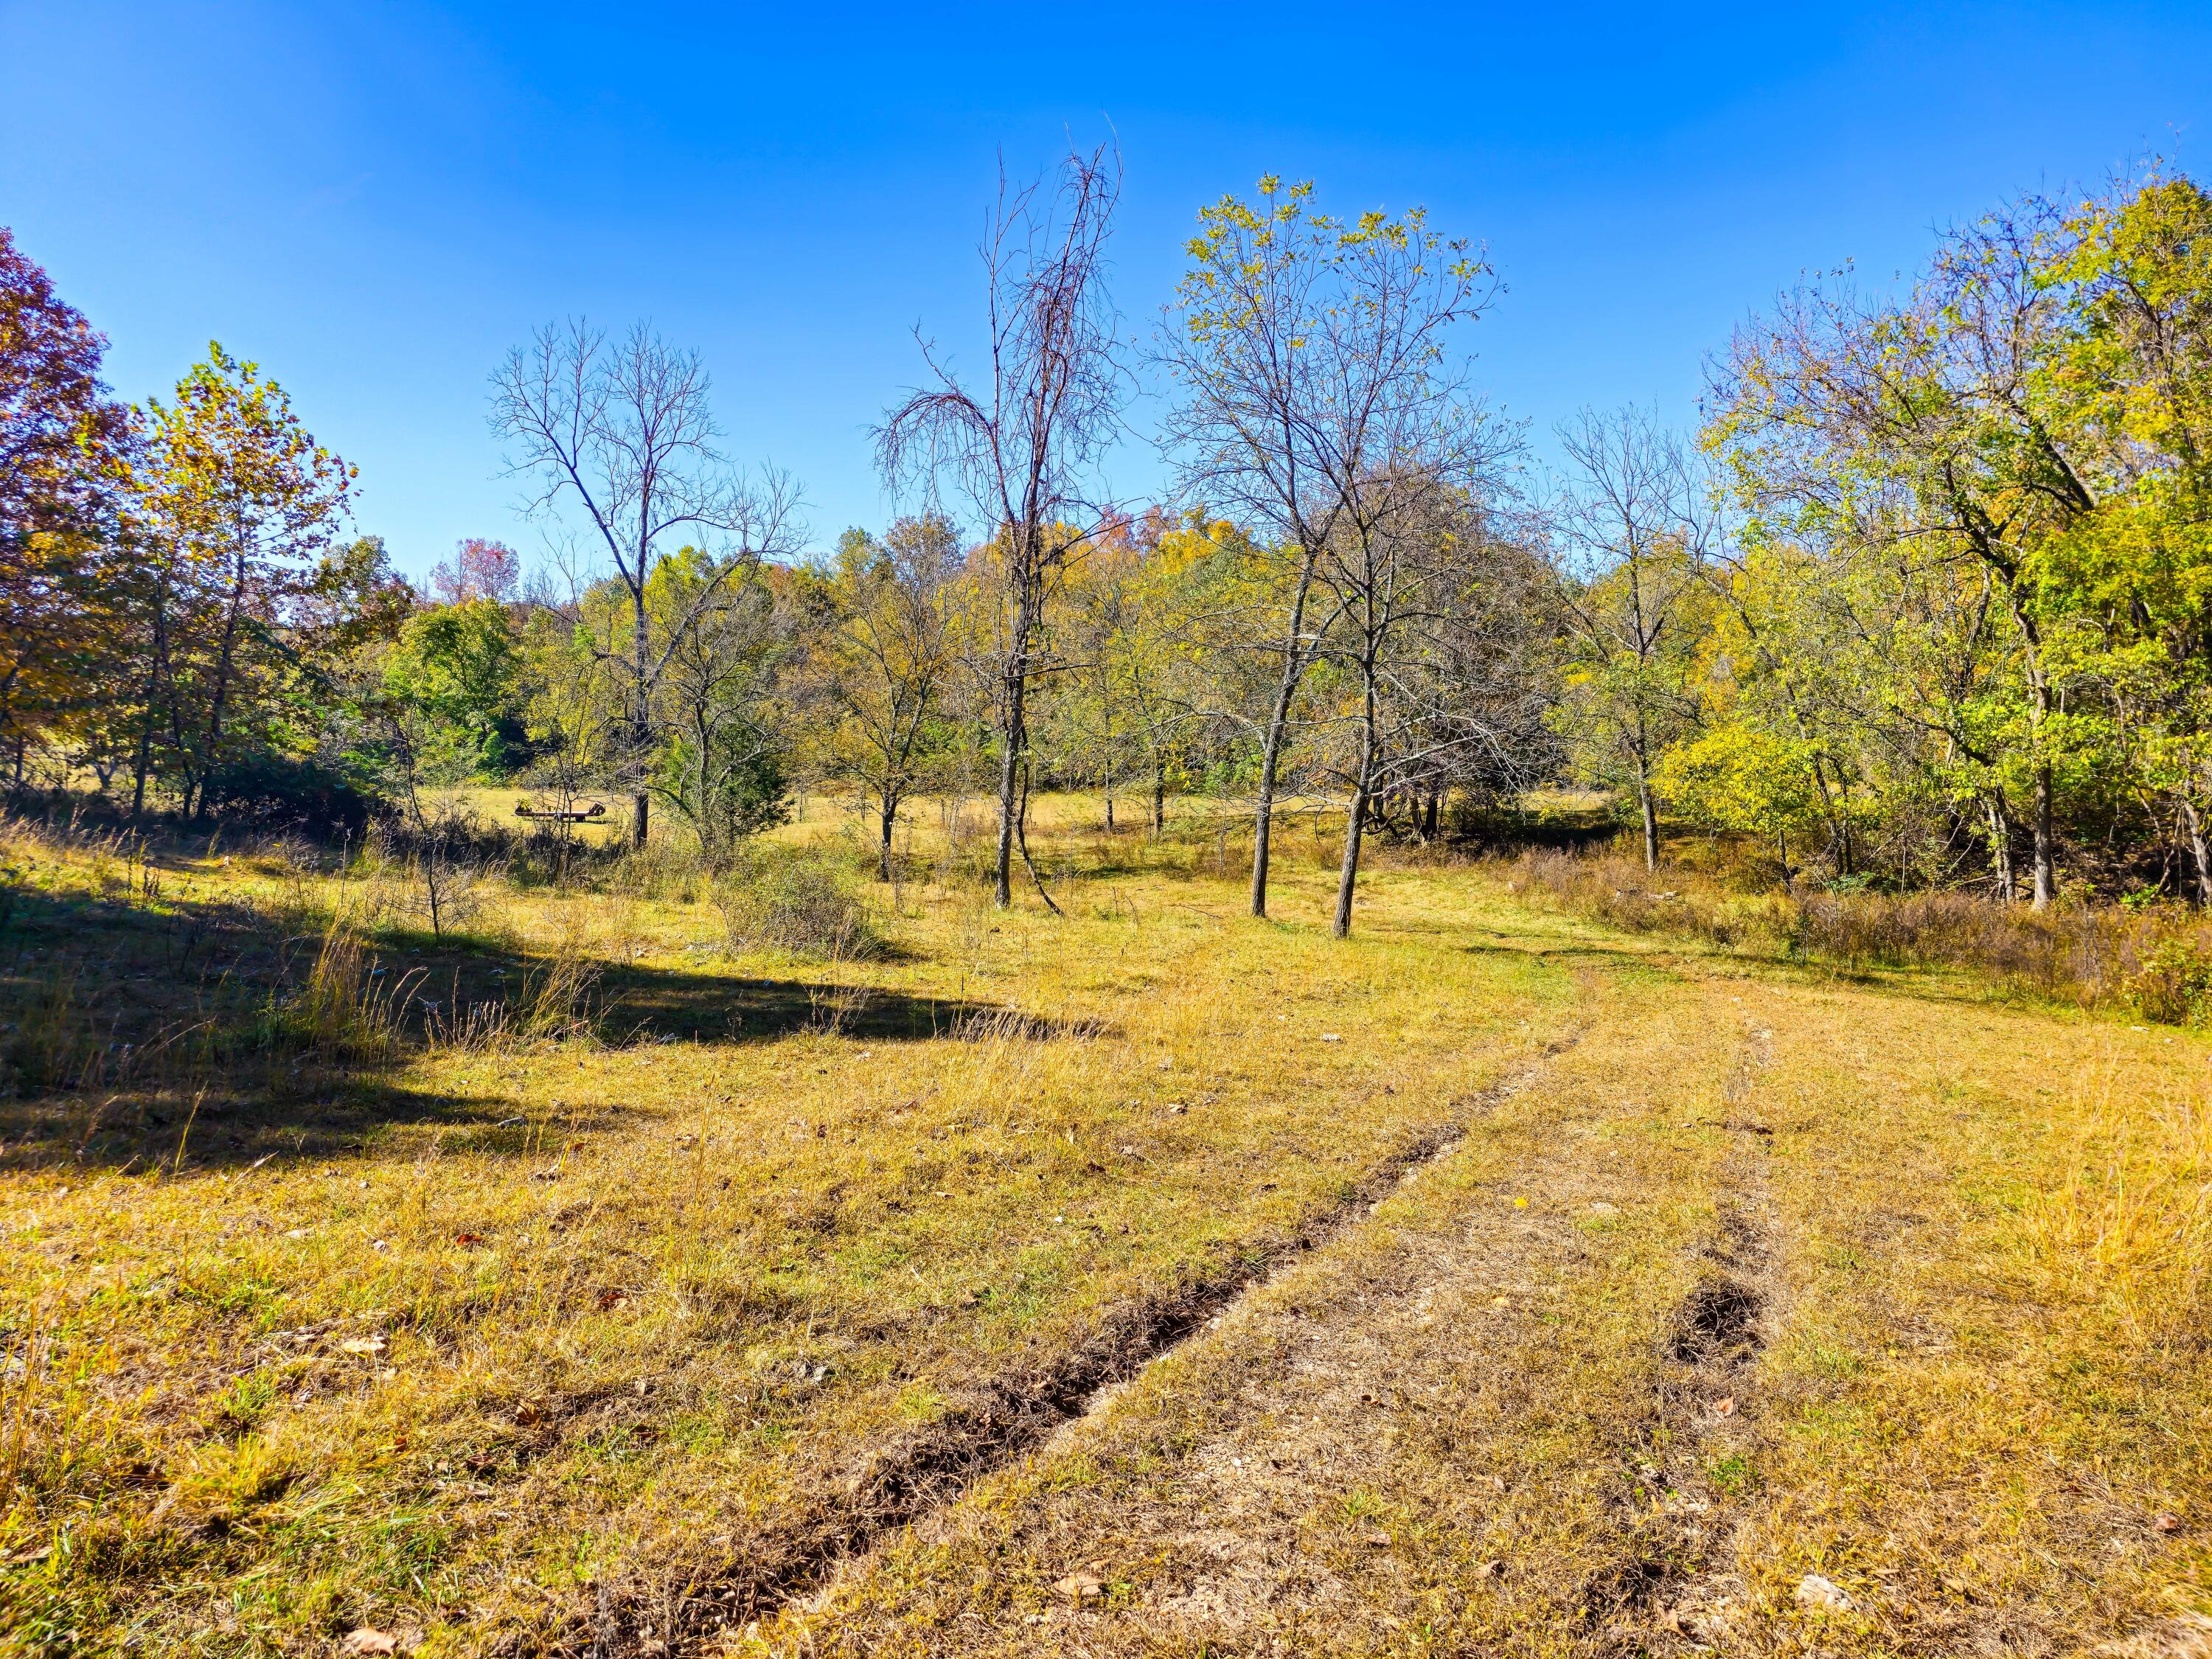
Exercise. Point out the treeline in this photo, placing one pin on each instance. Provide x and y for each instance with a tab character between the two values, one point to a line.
1922	605
1932	601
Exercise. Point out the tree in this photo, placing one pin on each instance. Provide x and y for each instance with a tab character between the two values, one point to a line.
888	658
461	666
1132	700
238	500
479	569
1175	660
1312	350
1738	778
1019	446
2008	463
622	436
1405	563
63	444
721	765
2131	381
1633	536
1932	422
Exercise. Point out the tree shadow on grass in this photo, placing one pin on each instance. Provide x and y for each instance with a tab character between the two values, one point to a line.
129	1031
651	1004
244	1122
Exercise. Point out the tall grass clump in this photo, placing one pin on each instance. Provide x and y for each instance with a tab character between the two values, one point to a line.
805	901
2154	963
557	1001
345	1007
666	870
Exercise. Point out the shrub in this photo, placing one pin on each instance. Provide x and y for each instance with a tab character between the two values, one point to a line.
2152	960
2174	983
289	791
801	900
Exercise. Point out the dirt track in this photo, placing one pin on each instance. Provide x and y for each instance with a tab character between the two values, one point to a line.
1575	1388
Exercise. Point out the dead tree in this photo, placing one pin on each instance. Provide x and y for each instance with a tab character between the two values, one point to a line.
621	437
1019	446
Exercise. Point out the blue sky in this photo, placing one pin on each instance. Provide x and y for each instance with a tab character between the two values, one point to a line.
375	200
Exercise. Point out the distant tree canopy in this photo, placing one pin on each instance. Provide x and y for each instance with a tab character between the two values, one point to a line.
1927	601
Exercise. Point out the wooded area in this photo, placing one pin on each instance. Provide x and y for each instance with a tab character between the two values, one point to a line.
1924	604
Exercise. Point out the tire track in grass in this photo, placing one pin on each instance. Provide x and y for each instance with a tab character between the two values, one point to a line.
1697	1451
1409	1442
898	1484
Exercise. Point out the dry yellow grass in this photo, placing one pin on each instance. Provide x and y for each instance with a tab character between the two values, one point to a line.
756	1322
1775	1317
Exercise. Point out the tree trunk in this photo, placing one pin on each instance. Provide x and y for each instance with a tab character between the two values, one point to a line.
2044	871
890	815
1348	875
2046	875
2001	847
1002	879
1279	722
1015	679
1648	810
709	834
1106	741
1160	796
1435	810
226	658
430	877
1781	849
641	734
138	774
1264	813
2198	852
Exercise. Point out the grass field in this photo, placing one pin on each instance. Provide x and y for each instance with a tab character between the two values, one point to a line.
1146	1280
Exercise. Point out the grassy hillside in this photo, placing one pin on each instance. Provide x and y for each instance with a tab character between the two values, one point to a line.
1147	1279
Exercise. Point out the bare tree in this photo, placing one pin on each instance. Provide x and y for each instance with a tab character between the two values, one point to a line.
1634	529
621	436
1405	560
1310	348
1020	446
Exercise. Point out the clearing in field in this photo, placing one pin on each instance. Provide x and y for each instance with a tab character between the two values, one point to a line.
1146	1280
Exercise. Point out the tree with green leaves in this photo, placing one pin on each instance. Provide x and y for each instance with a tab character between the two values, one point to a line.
2025	426
720	706
1317	363
462	666
236	503
1741	779
886	663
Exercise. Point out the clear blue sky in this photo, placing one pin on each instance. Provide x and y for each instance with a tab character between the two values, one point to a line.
375	200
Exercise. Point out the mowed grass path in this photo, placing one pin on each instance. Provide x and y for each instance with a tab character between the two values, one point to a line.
1778	1316
1740	1273
533	1323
